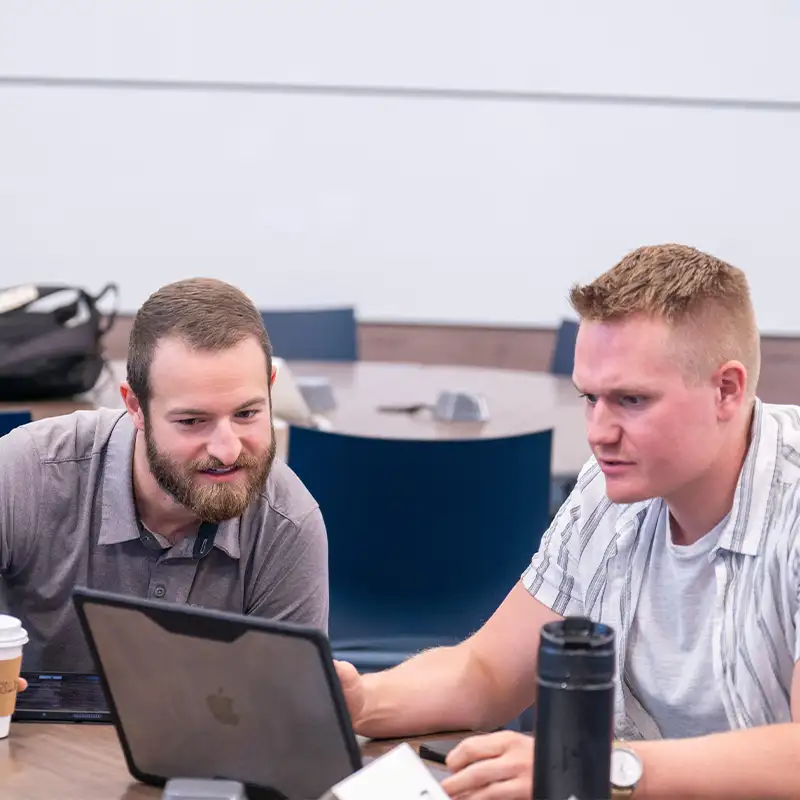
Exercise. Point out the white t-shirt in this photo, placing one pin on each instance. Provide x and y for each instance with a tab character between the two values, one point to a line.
670	666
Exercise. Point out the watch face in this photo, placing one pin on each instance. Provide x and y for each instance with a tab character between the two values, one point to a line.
626	768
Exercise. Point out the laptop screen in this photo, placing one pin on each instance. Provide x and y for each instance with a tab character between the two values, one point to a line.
61	695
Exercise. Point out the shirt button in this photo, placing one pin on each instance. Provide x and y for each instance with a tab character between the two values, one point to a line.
160	591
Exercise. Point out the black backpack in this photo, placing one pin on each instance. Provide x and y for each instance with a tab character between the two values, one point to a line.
51	340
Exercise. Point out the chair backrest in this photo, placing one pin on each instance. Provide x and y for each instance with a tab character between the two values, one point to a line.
328	334
425	538
13	419
563	357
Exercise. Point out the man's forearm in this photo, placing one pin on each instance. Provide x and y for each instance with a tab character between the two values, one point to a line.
761	762
443	689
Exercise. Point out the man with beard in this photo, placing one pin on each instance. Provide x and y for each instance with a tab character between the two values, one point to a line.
177	498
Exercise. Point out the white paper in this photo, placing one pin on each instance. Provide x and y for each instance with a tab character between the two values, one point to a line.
399	774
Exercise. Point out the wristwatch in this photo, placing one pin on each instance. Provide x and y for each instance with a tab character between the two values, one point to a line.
626	772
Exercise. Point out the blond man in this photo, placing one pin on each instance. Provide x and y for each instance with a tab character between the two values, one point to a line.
682	533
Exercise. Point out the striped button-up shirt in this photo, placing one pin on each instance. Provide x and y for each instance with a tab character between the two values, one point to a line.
593	558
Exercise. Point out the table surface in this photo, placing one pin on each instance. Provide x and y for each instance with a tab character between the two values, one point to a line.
40	761
518	402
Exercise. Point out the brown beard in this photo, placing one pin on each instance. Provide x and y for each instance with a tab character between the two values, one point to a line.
212	502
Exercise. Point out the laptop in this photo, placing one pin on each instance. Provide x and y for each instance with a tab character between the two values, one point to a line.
288	402
196	693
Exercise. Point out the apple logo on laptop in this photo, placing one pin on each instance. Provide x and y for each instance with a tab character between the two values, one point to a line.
221	708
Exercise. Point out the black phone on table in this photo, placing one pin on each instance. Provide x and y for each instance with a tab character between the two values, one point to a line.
437	749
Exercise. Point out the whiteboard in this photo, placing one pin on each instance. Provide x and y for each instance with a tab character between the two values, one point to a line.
443	208
712	49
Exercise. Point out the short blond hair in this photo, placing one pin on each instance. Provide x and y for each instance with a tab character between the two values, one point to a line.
691	291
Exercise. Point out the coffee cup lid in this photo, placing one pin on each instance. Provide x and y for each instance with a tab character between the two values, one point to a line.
12	634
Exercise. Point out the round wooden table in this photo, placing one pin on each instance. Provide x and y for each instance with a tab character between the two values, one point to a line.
518	402
66	761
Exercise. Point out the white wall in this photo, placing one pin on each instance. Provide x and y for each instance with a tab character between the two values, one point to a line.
437	161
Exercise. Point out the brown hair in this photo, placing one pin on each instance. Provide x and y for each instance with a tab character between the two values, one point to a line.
205	313
688	289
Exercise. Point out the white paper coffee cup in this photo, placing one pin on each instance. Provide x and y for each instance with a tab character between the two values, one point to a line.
12	639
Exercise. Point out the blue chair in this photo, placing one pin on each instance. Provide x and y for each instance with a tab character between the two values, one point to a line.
13	419
329	334
563	356
426	538
562	363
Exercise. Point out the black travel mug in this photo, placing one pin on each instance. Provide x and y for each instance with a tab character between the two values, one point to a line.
574	711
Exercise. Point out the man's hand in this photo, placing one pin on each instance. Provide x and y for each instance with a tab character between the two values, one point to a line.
353	688
22	684
493	765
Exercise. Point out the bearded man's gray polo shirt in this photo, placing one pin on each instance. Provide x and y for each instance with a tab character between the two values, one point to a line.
67	517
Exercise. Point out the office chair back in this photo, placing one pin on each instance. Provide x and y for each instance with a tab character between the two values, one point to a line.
329	334
563	356
425	537
13	419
